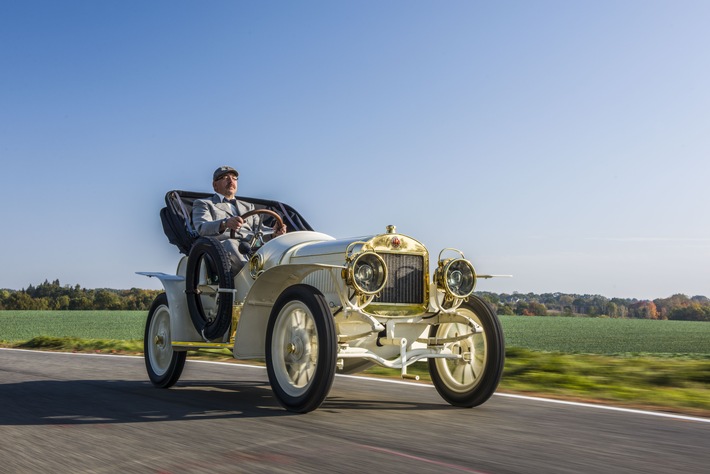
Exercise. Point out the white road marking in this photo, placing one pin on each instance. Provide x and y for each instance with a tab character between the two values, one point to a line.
413	384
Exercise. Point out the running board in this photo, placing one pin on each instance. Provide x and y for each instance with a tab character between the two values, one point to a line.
201	345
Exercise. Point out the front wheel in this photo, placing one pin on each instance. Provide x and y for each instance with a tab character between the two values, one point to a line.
301	349
473	377
164	365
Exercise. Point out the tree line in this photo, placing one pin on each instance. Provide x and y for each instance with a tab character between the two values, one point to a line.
677	307
54	296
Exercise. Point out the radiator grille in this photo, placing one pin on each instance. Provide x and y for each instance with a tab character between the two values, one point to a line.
405	279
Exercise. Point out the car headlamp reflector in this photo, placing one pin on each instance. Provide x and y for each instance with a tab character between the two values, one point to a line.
457	277
256	265
367	273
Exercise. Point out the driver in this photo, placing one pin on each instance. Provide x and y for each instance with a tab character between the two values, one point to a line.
217	215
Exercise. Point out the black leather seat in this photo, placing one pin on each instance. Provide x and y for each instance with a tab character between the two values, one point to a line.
176	216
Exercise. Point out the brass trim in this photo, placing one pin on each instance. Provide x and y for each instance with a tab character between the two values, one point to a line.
440	277
236	313
202	345
399	244
349	272
256	265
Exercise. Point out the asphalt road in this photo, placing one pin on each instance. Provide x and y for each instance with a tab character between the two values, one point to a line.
90	413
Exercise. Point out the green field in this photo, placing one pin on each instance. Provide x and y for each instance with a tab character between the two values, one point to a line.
607	336
25	325
538	333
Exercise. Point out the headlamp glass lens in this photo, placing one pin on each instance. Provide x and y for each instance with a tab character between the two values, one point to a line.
365	273
460	278
369	273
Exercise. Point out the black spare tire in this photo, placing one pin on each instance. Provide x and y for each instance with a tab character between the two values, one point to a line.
209	270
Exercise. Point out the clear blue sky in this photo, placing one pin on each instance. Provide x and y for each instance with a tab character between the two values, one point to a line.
566	143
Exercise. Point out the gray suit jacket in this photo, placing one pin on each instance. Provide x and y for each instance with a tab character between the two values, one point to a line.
207	215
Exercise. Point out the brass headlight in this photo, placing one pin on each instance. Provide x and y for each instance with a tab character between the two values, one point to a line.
456	276
367	273
256	265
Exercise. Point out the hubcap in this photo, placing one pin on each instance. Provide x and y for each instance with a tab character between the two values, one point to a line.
463	373
295	348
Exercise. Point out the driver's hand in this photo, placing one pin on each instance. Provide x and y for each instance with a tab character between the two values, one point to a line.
280	230
234	223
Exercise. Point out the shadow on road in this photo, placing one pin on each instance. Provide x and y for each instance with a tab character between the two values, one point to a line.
340	404
120	401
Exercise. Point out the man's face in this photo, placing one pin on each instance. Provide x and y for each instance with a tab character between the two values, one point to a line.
226	185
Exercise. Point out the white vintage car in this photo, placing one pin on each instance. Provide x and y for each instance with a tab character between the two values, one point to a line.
311	305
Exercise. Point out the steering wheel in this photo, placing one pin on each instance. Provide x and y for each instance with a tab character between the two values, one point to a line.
232	232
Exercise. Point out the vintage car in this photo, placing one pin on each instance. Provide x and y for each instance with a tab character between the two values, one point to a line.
311	305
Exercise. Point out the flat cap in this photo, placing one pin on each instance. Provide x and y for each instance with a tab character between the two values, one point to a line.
222	170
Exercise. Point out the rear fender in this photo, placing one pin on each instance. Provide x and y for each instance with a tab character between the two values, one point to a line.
181	327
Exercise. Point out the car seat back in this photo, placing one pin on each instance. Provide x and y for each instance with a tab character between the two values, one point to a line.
176	216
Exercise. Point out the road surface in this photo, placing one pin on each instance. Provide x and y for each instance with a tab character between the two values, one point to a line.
90	413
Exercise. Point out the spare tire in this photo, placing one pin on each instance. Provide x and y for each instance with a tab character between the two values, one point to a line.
209	269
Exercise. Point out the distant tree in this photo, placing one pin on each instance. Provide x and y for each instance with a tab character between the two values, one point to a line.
537	309
692	312
52	295
644	310
490	298
701	300
4	295
105	299
81	302
566	303
579	305
622	308
667	305
20	300
505	309
62	302
521	309
532	308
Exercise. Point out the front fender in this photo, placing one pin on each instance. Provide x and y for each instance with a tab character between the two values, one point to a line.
250	340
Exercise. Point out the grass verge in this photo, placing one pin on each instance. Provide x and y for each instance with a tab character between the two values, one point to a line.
673	384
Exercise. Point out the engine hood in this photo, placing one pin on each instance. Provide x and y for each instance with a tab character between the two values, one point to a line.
329	252
306	247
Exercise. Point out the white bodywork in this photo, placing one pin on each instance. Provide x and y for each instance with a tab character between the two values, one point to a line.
311	305
317	260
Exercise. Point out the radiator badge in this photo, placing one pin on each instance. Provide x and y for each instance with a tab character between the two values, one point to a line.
395	242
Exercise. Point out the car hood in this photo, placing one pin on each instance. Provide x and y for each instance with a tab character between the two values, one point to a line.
307	247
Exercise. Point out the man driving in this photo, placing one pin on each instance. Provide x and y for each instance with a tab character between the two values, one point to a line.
220	214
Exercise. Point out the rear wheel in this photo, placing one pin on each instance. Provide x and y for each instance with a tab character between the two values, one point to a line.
164	365
472	378
301	349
